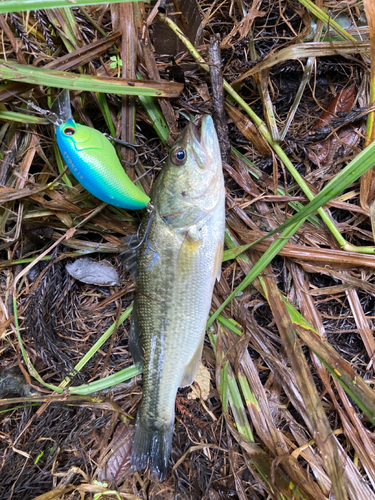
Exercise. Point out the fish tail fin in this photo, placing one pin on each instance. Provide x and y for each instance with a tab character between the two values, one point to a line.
152	445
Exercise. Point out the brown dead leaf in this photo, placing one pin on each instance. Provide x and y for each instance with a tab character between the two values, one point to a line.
117	461
201	386
248	129
340	144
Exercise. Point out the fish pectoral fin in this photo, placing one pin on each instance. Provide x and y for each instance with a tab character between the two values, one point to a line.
135	337
187	253
191	368
193	234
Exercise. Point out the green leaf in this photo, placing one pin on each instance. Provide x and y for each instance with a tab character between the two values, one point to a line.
155	115
14	116
17	6
106	382
10	70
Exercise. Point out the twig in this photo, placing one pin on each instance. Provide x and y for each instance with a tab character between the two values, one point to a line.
214	56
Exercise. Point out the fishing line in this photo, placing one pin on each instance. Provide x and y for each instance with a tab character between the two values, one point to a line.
49	115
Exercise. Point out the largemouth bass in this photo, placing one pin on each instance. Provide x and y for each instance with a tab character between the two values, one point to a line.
177	266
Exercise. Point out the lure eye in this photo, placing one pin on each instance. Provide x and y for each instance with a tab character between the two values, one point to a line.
69	131
178	156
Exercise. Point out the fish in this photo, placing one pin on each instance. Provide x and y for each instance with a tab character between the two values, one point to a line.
176	267
93	160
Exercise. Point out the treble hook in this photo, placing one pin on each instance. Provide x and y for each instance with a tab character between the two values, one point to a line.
151	210
127	145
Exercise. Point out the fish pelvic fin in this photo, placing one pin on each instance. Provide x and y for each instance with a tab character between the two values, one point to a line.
218	259
152	446
191	368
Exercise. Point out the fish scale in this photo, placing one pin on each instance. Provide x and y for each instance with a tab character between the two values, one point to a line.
177	267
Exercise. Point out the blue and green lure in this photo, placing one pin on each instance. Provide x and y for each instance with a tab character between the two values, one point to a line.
93	160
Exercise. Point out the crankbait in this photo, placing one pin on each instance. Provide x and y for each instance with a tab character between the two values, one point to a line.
92	159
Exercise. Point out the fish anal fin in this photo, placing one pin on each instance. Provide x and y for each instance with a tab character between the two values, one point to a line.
191	368
218	259
135	337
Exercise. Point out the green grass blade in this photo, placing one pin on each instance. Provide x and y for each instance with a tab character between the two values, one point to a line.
156	117
13	116
18	407
275	478
266	258
25	356
231	324
85	389
238	409
65	80
224	386
17	6
351	382
353	171
152	110
61	166
98	344
104	108
320	14
229	390
107	382
257	173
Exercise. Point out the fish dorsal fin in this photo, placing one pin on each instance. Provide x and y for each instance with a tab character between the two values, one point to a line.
191	368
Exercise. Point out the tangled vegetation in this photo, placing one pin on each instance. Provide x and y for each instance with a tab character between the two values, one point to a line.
284	403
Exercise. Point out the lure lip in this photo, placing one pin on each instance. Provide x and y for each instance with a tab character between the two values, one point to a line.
61	108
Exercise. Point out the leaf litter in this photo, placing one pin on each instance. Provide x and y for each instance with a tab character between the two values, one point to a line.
285	407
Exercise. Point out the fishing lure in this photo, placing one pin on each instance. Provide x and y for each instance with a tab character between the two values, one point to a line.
92	159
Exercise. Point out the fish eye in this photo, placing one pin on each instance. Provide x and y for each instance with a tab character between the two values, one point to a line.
69	131
178	156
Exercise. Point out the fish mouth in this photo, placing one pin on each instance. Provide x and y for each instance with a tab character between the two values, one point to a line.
205	143
195	133
201	145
